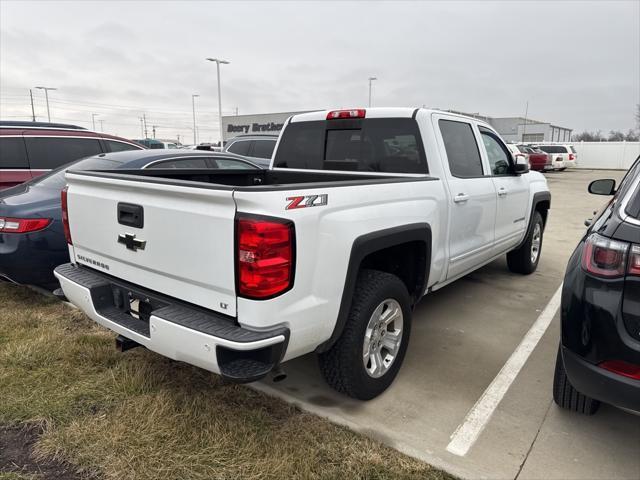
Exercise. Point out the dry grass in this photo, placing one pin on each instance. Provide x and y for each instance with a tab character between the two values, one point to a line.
140	416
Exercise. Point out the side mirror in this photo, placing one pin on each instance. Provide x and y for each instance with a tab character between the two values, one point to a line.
604	186
521	165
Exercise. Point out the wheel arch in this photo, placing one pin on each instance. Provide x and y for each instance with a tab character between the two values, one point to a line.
393	250
541	203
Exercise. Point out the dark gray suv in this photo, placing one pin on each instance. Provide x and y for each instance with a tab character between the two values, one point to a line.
257	148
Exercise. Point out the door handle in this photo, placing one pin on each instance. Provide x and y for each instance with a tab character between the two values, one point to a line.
461	197
502	192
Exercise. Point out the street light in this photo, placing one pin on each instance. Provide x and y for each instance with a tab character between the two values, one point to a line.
93	120
46	94
218	62
371	79
193	106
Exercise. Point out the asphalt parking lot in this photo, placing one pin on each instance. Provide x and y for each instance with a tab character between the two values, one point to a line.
454	378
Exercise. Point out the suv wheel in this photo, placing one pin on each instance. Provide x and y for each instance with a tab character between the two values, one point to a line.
367	356
568	397
525	259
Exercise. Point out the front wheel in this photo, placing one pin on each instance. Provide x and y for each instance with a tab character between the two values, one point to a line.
367	357
525	259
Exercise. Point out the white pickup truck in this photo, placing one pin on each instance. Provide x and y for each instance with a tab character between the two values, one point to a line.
361	214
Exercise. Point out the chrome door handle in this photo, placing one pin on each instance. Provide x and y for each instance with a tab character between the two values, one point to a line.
461	197
502	192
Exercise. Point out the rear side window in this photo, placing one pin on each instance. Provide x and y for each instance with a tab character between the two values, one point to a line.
51	152
232	164
263	148
240	147
553	149
633	207
390	145
181	163
13	153
573	149
114	146
462	150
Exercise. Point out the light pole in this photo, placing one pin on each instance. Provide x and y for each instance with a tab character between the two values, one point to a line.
218	62
371	79
101	125
193	106
93	120
46	95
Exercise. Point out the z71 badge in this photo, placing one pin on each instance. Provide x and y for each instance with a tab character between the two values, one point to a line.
307	201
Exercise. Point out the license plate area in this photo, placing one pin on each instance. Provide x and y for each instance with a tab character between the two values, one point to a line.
138	305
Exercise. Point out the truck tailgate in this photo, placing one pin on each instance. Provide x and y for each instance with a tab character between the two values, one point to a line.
188	235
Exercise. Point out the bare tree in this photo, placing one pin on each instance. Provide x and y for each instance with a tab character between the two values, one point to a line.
616	136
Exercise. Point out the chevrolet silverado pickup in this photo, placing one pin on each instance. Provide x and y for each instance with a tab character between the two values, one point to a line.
360	214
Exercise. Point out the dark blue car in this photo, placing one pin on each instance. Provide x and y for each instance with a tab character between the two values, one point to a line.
32	241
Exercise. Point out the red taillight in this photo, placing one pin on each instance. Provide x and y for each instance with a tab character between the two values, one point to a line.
634	260
604	257
264	257
572	156
65	215
22	225
622	368
354	113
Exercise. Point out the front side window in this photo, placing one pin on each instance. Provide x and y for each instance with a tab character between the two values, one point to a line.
51	152
462	150
498	157
240	147
13	153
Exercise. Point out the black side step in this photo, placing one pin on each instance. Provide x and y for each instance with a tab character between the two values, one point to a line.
123	343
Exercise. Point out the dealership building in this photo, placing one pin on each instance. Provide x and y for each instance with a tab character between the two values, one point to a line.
512	129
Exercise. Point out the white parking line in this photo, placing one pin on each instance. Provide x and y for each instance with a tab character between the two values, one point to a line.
476	420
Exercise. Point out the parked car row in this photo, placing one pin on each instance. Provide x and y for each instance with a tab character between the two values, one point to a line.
31	234
546	157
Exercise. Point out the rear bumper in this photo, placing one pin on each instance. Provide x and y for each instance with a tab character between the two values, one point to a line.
174	329
601	384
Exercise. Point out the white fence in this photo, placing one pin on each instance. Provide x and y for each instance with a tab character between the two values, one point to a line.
607	155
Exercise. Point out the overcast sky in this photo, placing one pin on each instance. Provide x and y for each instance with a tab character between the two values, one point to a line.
577	63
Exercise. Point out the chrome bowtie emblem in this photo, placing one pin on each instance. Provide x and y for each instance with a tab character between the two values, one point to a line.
131	242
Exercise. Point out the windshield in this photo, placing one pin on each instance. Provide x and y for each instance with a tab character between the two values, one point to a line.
55	179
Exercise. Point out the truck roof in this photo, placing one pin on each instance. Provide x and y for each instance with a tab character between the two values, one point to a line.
378	112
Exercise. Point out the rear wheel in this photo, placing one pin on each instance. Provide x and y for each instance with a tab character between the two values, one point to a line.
368	355
568	397
525	259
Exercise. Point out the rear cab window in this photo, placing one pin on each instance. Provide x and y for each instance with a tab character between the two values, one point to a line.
390	145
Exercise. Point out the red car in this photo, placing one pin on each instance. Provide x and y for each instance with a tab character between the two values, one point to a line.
30	149
538	160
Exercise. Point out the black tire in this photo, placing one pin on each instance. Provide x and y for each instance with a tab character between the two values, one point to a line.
342	365
519	261
568	397
562	169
